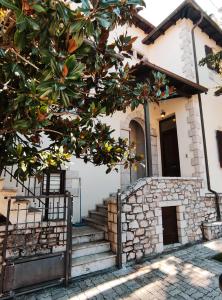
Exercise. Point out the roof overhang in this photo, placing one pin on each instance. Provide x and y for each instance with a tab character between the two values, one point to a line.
218	92
189	9
143	24
182	86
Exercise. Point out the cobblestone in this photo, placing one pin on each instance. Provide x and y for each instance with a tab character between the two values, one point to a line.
186	274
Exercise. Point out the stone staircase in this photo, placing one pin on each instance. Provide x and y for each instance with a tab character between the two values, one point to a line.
21	210
99	218
91	251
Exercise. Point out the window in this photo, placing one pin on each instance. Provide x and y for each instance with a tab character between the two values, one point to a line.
139	55
53	183
219	143
209	51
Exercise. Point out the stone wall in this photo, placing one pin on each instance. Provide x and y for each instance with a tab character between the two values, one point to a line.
142	232
112	224
35	239
212	230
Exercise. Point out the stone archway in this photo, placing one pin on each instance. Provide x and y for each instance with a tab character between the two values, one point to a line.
138	138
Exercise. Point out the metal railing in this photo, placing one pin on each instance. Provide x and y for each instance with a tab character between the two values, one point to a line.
28	236
119	230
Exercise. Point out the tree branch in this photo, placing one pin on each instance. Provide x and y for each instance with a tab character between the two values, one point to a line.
23	58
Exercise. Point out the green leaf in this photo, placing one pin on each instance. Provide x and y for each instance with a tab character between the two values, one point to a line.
21	124
19	39
39	8
23	166
19	149
77	26
85	5
35	26
8	4
104	22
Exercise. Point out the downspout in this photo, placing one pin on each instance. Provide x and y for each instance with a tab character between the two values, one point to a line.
202	122
149	169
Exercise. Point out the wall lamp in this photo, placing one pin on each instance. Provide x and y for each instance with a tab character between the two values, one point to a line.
163	114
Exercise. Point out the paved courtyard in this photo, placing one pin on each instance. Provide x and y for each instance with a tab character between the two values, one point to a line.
185	274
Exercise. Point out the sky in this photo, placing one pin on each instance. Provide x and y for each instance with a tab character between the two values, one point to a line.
157	10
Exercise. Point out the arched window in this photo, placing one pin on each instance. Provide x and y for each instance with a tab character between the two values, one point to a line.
137	137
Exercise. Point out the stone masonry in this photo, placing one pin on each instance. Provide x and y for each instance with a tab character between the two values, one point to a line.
142	232
35	239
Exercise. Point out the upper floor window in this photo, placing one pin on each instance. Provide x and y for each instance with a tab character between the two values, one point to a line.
209	51
53	182
219	143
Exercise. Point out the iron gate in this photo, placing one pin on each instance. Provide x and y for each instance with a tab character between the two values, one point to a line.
36	243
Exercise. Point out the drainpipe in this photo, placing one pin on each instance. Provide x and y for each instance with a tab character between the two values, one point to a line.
149	169
202	122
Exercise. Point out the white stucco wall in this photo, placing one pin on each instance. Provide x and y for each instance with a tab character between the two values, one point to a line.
212	108
173	51
166	50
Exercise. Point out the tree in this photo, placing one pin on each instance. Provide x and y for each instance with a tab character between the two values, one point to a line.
215	61
59	75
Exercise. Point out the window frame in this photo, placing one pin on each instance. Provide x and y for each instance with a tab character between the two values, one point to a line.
46	189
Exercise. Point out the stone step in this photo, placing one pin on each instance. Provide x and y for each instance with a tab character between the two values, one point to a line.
96	224
90	248
102	208
100	216
86	234
92	263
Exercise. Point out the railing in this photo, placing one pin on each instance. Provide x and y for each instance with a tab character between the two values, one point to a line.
119	230
25	186
28	237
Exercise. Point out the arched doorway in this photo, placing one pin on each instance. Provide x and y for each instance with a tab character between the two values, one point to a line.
137	137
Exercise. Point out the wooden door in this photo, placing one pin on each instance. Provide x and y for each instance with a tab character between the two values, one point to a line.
170	230
169	148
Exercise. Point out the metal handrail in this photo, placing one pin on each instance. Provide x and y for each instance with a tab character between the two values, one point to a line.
119	230
29	192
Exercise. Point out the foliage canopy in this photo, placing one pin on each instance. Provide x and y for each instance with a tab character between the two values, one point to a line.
60	74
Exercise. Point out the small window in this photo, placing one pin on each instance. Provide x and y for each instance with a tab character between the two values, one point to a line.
209	51
53	183
219	143
139	55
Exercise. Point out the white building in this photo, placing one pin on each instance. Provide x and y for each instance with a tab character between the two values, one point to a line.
169	46
180	181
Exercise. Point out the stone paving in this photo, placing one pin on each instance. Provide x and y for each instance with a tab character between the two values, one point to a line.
185	274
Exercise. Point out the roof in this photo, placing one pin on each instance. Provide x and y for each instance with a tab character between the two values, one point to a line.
218	92
183	87
143	24
189	9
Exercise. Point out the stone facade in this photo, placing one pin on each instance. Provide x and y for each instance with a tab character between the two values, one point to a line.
33	239
142	232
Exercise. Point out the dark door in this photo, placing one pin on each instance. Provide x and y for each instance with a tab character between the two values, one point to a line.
170	231
169	148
